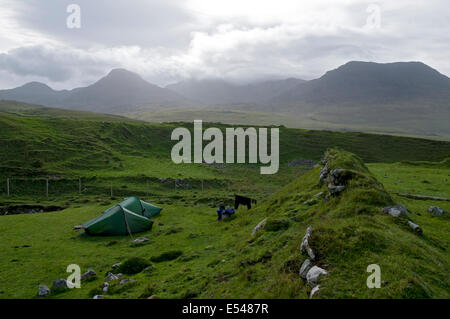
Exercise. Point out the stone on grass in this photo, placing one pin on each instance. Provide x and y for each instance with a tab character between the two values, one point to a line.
115	266
98	297
314	275
306	266
111	277
140	240
104	286
436	210
334	190
396	211
43	291
305	246
314	291
259	226
88	275
126	281
414	227
59	285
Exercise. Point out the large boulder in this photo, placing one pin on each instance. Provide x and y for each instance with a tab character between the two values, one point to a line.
436	210
396	210
314	274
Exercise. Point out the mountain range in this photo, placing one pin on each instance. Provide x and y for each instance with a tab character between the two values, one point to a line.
390	94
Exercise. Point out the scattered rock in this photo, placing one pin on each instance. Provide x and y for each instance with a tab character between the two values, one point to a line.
140	240
415	227
104	287
323	174
310	202
126	281
318	195
153	297
305	247
314	291
436	210
259	226
111	277
88	275
115	266
59	285
334	190
396	211
313	275
209	247
98	297
306	266
43	291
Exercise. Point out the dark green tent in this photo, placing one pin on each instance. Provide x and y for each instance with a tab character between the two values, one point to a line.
130	216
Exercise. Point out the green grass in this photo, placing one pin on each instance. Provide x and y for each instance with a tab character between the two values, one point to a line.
189	253
208	259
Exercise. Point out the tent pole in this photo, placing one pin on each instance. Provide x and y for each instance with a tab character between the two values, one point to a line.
79	186
46	187
7	186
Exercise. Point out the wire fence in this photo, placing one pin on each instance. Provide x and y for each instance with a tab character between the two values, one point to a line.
56	187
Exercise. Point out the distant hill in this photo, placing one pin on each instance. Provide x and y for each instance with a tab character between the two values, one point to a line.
118	92
392	97
366	83
220	92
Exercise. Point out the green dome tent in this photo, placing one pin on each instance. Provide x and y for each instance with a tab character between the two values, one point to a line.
130	216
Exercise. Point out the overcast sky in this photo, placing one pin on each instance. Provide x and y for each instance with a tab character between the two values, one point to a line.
238	40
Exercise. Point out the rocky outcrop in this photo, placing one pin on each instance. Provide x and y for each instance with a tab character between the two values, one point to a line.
305	247
306	266
314	274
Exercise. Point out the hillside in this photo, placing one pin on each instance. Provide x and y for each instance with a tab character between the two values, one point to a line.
396	98
42	146
219	92
119	91
191	255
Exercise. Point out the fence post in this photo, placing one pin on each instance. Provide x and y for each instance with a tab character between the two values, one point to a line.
46	187
7	186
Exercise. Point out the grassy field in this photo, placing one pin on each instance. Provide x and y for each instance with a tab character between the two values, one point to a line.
203	258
